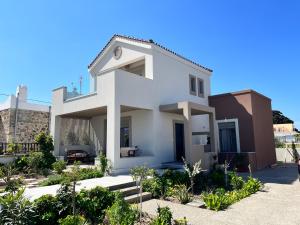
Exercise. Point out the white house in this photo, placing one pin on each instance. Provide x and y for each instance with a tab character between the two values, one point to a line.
144	95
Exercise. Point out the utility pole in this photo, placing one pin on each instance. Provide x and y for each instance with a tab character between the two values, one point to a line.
80	84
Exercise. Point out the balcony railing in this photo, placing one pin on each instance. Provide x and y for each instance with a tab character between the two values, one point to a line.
24	148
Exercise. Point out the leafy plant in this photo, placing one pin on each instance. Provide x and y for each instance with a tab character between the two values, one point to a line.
53	179
253	185
236	181
182	221
47	210
93	203
16	210
88	173
13	148
36	162
72	220
46	147
164	216
295	153
12	183
105	164
59	166
120	212
181	192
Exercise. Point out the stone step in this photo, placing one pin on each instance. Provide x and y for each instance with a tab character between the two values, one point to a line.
129	191
122	186
136	197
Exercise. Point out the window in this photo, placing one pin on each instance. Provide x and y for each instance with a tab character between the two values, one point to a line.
125	132
229	135
200	87
192	85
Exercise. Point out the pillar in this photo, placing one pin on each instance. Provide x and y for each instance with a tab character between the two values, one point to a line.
113	134
187	131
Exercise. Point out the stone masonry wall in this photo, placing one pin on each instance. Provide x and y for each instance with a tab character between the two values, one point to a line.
30	123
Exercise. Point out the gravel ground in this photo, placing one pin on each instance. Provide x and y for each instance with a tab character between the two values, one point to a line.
278	204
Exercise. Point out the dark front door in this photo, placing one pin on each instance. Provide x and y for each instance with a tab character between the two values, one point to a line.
179	141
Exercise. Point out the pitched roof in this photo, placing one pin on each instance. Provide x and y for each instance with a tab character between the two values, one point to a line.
150	41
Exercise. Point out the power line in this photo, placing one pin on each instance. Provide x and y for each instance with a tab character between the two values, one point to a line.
29	99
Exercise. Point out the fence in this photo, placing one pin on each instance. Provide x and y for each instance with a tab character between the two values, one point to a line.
24	147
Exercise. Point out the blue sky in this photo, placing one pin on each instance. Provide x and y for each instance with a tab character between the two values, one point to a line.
248	44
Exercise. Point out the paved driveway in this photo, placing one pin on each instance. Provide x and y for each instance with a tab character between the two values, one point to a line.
278	204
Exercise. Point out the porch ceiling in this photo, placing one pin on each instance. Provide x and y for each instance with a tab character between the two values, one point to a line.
196	108
89	113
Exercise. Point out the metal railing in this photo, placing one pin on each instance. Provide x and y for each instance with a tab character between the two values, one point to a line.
23	148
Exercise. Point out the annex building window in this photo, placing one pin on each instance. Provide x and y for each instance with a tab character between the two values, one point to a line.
200	87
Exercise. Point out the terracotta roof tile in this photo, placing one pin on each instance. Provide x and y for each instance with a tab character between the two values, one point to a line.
147	42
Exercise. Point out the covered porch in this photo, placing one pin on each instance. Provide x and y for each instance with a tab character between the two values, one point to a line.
118	131
194	150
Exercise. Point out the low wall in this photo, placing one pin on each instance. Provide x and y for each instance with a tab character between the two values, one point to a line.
283	155
198	153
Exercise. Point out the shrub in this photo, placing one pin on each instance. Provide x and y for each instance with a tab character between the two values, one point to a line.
253	185
181	192
88	173
21	164
59	166
214	201
6	173
47	210
72	220
46	146
15	209
36	161
236	181
120	213
164	216
105	165
217	178
182	221
53	179
13	148
93	203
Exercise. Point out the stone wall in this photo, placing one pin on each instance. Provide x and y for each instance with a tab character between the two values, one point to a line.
29	124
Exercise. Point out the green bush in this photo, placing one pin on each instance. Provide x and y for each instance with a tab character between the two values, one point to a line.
236	182
72	220
164	216
46	147
47	209
181	193
120	213
53	179
36	162
161	185
59	166
93	203
253	185
88	173
15	209
220	199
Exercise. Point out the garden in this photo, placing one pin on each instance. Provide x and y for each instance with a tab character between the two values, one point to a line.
217	190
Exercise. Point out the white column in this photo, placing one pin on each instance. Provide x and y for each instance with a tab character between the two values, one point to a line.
113	134
56	133
187	131
212	132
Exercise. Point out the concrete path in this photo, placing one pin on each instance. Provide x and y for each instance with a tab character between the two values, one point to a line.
279	204
34	193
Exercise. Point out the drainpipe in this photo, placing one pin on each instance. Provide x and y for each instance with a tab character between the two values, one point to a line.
16	117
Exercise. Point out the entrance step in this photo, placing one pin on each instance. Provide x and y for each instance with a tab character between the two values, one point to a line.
122	186
136	197
129	191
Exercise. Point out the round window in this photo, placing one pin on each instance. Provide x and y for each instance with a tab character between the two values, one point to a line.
117	52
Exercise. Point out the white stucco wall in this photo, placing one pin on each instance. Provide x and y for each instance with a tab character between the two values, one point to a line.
166	82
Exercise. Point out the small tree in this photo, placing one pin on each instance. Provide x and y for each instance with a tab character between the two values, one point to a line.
295	153
192	171
139	174
73	176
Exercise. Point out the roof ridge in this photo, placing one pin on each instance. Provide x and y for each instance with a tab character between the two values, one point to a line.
150	41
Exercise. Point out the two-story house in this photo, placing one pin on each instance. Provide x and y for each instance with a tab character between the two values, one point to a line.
147	106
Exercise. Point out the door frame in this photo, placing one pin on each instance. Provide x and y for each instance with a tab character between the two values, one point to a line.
237	133
174	137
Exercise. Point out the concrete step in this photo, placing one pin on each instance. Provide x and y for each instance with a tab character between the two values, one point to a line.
136	197
122	186
129	191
